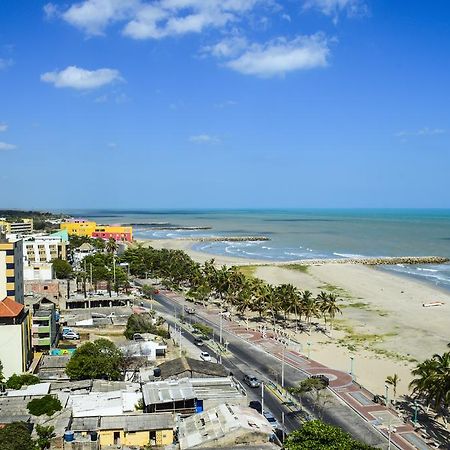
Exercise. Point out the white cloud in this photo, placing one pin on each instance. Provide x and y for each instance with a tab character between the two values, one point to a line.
112	145
81	79
333	8
225	104
153	19
204	139
226	48
5	63
6	146
426	131
280	56
3	127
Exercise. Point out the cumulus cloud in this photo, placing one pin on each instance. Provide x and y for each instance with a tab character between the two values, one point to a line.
333	8
6	146
76	78
3	127
153	20
226	48
279	56
204	139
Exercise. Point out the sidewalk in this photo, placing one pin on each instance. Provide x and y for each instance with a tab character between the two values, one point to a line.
341	383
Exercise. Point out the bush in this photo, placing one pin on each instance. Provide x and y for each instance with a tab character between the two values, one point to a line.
16	436
100	359
17	381
45	405
143	323
207	331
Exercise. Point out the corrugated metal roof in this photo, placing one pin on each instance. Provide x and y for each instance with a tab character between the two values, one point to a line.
167	391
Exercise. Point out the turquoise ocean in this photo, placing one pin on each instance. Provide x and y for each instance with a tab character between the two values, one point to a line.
303	234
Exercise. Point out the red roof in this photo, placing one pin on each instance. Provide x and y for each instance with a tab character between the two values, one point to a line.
10	308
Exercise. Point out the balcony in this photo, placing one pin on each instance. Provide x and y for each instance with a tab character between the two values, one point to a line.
41	342
40	329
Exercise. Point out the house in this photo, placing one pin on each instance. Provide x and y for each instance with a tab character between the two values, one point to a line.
136	429
44	330
15	338
171	395
192	368
148	349
224	426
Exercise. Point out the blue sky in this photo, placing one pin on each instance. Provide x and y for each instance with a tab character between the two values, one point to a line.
224	104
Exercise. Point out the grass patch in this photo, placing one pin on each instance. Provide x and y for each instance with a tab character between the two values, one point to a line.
248	271
299	267
335	290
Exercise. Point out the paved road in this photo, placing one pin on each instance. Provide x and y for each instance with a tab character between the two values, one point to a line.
247	356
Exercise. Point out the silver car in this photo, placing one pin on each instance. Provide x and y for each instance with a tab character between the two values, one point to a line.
252	381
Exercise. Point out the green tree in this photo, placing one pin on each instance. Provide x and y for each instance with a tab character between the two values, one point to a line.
111	246
2	377
45	434
317	435
25	379
16	436
100	359
393	381
317	388
63	270
143	323
45	405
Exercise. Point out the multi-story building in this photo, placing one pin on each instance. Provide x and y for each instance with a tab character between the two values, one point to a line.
11	270
24	227
42	248
15	338
43	325
80	227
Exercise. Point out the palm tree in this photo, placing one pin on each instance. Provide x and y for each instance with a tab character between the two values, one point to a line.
309	306
331	308
393	381
111	246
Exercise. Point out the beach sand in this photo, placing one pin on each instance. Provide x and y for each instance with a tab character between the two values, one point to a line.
383	326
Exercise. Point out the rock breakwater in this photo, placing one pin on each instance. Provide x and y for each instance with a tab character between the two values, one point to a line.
382	261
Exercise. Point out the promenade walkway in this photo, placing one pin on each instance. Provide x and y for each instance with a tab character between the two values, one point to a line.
385	420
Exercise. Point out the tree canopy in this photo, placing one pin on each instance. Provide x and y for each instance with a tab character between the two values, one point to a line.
25	379
16	436
100	359
44	405
143	323
62	268
317	435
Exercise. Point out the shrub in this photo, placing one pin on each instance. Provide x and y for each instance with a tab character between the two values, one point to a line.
16	436
45	405
143	323
17	381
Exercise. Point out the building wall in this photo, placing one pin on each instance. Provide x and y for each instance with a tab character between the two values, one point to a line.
79	228
11	344
11	270
138	438
44	250
116	232
38	272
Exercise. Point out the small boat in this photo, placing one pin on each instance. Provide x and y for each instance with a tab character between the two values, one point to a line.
427	305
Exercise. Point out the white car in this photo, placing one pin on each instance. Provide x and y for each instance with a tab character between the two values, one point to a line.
205	356
69	335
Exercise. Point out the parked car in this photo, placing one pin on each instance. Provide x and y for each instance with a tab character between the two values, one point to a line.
255	404
198	341
271	419
252	381
189	310
70	335
205	356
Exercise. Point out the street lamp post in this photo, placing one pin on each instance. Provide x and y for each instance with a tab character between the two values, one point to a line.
262	397
282	369
386	395
309	349
351	366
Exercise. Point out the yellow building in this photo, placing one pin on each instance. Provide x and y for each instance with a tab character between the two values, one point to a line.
138	429
26	226
79	228
11	270
91	229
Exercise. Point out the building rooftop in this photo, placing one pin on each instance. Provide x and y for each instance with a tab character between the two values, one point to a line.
139	422
226	388
39	389
171	369
167	391
10	308
103	403
220	423
111	386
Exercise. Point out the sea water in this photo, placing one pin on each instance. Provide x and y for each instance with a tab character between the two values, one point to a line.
304	234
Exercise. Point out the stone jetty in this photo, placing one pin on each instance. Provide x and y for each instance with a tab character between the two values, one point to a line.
225	238
377	261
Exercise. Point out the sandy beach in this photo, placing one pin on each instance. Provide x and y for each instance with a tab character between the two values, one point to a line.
383	326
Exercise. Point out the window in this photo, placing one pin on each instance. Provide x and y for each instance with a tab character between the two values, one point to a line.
9	252
45	288
10	279
10	293
10	265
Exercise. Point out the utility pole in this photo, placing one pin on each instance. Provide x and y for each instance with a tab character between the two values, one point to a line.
282	369
262	397
114	271
91	275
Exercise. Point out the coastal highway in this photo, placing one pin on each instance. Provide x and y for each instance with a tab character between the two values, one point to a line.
236	366
248	358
